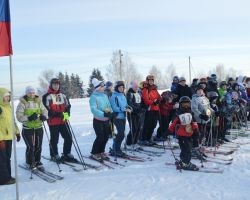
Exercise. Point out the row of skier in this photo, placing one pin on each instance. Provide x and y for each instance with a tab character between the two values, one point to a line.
142	105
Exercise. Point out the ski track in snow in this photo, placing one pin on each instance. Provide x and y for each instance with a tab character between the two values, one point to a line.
150	180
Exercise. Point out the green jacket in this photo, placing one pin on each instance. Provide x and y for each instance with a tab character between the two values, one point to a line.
6	118
28	106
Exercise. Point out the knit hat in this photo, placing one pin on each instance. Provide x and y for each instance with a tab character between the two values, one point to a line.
96	83
133	84
182	79
29	89
108	84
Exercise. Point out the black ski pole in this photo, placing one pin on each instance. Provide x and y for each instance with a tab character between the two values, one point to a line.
47	135
75	143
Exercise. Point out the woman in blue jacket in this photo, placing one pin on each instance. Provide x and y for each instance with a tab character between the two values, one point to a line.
120	107
102	111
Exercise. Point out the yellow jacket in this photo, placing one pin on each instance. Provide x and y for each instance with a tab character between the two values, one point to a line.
6	118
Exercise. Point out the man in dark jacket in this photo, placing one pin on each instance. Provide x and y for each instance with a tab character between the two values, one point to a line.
182	90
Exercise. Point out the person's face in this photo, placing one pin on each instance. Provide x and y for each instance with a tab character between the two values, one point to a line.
6	99
121	88
135	87
150	81
182	83
224	87
200	92
110	88
55	86
101	88
31	95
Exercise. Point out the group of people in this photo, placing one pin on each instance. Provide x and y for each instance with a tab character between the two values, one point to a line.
190	113
199	114
32	111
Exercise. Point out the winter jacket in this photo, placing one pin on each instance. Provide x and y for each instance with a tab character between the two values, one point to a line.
200	105
119	104
166	107
6	119
99	103
27	107
182	91
134	100
221	92
182	127
173	87
56	103
108	92
149	95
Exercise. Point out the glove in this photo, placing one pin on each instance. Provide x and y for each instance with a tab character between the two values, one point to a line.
33	117
204	117
2	145
1	110
156	102
43	118
65	116
18	137
108	114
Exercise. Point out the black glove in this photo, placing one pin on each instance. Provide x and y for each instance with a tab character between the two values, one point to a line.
33	117
43	118
1	110
18	138
108	114
156	102
204	117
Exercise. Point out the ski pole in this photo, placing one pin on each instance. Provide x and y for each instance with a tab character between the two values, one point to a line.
75	143
47	135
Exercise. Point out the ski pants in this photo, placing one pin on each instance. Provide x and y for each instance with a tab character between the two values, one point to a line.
5	162
120	127
33	139
186	147
102	131
64	130
150	122
134	125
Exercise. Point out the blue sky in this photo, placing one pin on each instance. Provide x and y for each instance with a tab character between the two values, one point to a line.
76	36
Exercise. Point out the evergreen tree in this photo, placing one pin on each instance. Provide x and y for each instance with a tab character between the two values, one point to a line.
96	73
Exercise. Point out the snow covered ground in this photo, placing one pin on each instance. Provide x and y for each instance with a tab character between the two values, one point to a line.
151	180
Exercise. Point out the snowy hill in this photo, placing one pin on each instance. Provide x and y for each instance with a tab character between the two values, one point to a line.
151	180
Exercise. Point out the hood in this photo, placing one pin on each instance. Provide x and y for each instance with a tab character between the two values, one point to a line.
3	91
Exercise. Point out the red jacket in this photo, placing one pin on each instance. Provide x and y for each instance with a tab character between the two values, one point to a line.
56	103
181	131
166	107
149	95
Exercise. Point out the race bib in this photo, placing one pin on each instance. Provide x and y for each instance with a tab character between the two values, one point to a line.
57	99
185	118
137	98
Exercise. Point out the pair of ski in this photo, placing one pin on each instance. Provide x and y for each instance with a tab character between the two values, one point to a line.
42	173
201	169
146	152
75	165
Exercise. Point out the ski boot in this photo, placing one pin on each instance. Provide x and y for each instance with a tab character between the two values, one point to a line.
97	157
69	158
104	156
39	165
178	164
189	166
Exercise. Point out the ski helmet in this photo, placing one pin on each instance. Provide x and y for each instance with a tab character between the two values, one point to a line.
118	84
185	100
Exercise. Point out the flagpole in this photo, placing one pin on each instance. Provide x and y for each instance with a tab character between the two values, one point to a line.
13	128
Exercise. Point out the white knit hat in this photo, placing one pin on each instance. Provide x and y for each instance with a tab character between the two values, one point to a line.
29	89
96	83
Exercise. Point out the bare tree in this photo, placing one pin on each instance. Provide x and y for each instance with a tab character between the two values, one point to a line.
122	68
170	72
44	80
159	79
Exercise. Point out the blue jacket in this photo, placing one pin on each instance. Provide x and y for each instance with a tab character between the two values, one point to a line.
119	103
99	102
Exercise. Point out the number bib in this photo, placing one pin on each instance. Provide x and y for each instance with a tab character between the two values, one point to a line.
185	118
57	99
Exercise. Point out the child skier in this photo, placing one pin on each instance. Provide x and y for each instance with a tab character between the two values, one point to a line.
6	138
185	126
